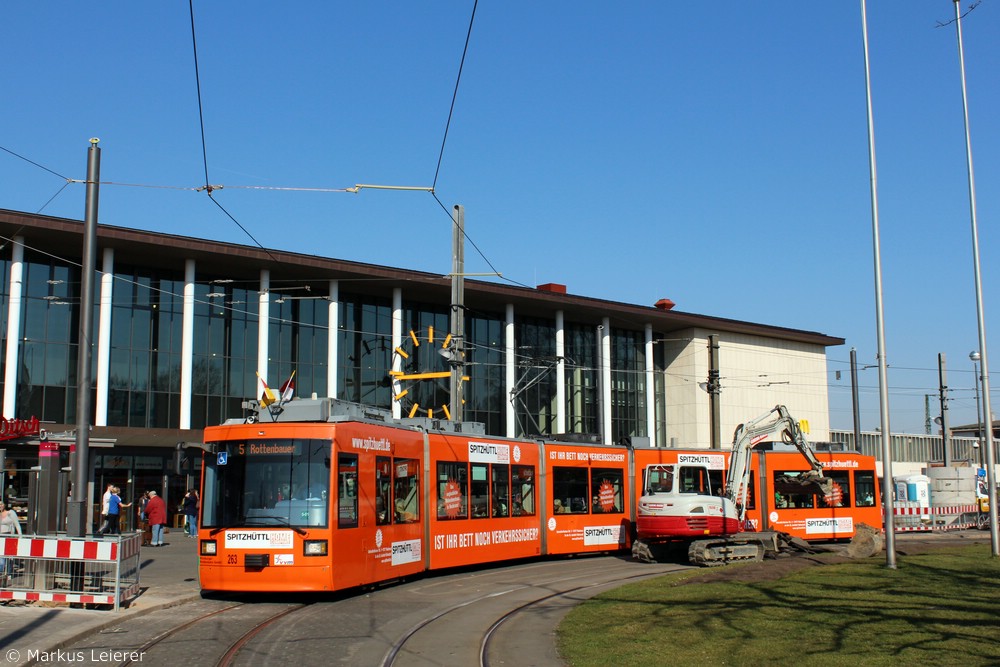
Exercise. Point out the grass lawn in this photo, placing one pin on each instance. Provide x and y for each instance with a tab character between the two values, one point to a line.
940	607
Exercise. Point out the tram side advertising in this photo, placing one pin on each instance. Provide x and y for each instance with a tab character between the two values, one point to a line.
324	506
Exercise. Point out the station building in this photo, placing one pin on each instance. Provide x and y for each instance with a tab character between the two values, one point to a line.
183	326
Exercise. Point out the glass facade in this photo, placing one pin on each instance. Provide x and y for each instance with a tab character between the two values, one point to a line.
4	301
535	406
582	397
146	354
224	360
486	391
365	351
145	358
659	436
47	377
628	384
297	341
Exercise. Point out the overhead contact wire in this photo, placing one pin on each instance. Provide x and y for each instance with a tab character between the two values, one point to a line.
21	157
454	95
204	145
444	141
197	83
469	239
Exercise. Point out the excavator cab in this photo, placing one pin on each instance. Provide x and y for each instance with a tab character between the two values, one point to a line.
659	479
695	479
689	479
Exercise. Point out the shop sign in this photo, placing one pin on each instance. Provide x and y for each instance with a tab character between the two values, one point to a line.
11	429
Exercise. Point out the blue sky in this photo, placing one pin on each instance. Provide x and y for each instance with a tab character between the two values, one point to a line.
713	154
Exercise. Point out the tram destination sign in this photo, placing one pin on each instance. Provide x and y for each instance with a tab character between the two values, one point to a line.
269	448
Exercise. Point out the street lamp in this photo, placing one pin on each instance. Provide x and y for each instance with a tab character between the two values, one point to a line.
987	413
974	356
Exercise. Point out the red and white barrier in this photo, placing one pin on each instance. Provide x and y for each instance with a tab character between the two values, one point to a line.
59	547
964	516
70	598
70	570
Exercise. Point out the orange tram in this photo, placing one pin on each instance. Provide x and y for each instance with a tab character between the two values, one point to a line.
326	496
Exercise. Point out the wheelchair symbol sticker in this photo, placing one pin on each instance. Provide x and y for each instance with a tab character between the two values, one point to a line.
223	458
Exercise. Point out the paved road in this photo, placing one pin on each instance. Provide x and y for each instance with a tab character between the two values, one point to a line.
361	628
168	577
508	613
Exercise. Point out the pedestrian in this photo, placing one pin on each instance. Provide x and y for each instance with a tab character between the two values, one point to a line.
190	510
105	502
9	525
156	514
115	506
147	534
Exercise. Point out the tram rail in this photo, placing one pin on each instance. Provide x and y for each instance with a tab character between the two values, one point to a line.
172	633
485	644
245	617
513	600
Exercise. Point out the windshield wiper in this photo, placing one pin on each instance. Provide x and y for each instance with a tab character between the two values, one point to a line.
250	521
215	531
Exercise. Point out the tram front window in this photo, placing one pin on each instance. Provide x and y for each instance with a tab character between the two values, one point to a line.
267	483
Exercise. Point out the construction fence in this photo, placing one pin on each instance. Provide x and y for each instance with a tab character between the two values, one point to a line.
910	517
80	571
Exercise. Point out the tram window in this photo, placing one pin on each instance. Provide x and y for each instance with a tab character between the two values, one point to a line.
383	490
310	479
719	488
841	495
790	493
751	493
479	496
606	490
255	484
864	489
452	490
406	479
499	490
570	490
523	480
347	491
211	512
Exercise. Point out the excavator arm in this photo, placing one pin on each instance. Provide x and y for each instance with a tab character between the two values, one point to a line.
749	435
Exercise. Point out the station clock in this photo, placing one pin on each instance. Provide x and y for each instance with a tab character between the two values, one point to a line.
421	373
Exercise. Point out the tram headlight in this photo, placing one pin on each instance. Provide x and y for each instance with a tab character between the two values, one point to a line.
209	548
314	548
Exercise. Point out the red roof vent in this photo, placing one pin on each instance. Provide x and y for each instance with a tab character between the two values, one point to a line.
555	288
665	304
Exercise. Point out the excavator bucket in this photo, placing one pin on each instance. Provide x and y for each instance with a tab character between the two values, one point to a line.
824	484
807	483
